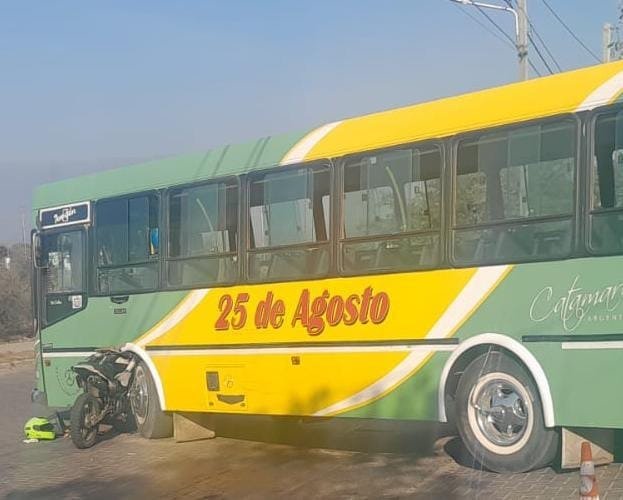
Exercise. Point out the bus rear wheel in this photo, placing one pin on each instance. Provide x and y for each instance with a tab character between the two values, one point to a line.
500	417
151	421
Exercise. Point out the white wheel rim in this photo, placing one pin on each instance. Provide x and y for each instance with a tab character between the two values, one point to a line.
139	395
500	413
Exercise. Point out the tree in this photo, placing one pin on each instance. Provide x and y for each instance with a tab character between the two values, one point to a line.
16	316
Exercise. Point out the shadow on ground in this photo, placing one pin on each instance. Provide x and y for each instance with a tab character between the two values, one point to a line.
93	489
339	434
457	451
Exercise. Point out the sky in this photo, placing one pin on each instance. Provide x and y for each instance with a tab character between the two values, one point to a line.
86	86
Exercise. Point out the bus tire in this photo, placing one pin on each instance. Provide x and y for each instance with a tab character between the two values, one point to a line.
500	416
151	421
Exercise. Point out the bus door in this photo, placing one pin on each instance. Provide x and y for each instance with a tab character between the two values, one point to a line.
60	259
59	291
60	276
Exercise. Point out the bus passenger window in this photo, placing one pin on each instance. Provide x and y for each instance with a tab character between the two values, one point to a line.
514	197
203	235
127	245
289	224
606	216
391	211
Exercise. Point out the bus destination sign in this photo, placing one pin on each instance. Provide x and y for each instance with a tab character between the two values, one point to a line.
76	213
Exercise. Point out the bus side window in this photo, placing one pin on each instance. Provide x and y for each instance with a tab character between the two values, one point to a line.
127	244
514	197
203	235
606	216
288	219
391	211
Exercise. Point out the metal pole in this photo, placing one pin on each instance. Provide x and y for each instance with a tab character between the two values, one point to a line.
608	42
24	235
521	29
522	39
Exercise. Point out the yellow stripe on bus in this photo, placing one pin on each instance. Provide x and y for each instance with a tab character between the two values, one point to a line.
305	379
541	97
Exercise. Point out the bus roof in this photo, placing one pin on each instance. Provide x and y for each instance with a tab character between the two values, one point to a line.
567	92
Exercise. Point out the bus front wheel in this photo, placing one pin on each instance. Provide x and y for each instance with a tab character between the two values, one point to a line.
500	417
151	421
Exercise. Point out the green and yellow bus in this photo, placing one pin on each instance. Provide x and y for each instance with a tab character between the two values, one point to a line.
451	260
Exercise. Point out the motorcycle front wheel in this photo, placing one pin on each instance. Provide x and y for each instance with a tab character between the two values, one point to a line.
85	419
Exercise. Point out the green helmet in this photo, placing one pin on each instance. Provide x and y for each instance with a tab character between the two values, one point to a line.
39	428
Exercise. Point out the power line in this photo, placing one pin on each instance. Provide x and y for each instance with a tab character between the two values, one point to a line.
539	38
484	26
570	31
507	38
538	52
534	68
482	11
549	52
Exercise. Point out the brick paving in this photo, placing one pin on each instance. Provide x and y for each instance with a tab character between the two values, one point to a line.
255	458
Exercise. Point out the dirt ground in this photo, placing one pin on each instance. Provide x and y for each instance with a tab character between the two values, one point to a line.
13	354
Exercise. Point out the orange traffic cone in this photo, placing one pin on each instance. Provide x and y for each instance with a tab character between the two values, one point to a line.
588	481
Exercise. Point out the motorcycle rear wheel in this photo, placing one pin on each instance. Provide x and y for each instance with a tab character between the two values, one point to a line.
84	420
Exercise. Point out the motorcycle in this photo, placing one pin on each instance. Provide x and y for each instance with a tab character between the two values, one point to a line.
106	380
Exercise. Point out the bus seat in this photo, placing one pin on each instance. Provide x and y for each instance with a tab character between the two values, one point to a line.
282	264
508	245
201	270
389	254
607	232
428	256
300	262
485	246
551	243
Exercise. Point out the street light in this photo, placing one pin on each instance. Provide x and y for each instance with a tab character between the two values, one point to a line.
521	29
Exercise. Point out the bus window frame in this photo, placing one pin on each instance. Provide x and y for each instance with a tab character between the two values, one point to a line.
93	291
442	263
41	299
164	281
589	212
573	216
329	243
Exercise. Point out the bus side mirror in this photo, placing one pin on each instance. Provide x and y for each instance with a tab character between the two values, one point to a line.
37	254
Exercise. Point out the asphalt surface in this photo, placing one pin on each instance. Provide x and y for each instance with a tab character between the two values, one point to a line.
262	458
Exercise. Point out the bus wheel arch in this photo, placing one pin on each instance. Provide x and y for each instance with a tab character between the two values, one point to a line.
154	422
475	346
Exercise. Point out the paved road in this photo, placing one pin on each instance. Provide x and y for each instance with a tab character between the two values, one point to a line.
257	459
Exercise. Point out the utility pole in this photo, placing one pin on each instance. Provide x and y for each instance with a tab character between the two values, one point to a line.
521	29
24	235
608	42
611	39
522	39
